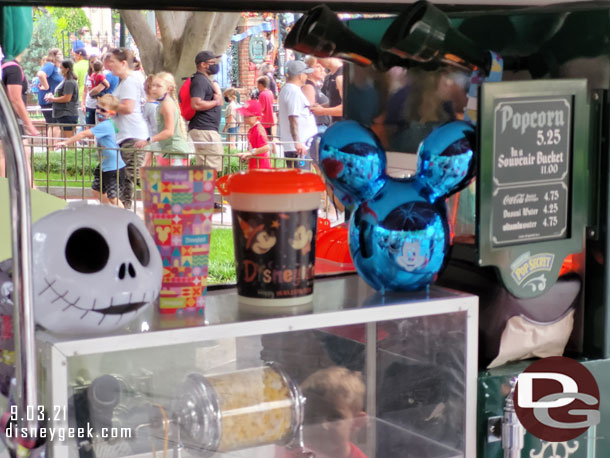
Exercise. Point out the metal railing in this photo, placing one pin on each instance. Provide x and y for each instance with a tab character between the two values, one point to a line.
68	172
26	372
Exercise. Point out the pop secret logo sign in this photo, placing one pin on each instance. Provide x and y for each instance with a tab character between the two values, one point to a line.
557	399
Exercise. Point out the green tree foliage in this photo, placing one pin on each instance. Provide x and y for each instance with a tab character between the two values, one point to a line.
43	39
116	17
68	20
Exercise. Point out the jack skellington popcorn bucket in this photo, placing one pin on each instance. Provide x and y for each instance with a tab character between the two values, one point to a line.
96	268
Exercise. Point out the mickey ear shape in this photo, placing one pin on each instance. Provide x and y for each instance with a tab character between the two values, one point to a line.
353	160
446	161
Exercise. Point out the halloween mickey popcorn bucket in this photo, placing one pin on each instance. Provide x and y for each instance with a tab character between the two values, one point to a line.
274	233
178	208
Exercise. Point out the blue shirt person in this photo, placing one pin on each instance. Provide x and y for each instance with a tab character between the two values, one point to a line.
49	77
113	81
53	79
109	176
105	135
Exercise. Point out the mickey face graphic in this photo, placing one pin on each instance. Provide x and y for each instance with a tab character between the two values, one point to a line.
411	257
302	239
257	239
263	242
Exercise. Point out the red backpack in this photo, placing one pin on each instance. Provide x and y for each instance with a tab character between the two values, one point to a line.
184	96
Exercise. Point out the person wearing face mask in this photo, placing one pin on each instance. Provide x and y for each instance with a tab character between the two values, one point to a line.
296	121
206	100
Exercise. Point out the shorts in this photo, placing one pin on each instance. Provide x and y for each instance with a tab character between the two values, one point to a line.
108	183
296	163
233	130
47	112
67	120
90	116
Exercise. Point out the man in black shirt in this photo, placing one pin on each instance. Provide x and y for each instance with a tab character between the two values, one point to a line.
16	87
206	100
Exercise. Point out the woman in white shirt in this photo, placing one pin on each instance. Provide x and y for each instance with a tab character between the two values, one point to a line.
129	120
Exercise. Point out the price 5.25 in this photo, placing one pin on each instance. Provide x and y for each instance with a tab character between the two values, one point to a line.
548	137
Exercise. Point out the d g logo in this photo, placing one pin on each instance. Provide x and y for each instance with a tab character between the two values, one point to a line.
557	399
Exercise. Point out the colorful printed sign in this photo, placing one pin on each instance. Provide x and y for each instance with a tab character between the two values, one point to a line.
178	207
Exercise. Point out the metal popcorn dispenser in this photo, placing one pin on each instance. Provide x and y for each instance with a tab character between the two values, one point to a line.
239	410
206	414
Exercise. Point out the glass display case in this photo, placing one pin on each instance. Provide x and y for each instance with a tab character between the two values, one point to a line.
353	373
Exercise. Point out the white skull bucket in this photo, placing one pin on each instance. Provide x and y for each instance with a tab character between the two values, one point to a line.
96	268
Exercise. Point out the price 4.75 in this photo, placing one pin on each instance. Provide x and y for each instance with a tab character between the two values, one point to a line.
550	221
551	195
548	137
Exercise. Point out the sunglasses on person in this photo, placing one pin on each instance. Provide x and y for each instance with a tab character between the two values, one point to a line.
105	111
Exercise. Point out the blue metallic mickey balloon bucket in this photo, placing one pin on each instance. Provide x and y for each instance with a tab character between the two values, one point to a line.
398	232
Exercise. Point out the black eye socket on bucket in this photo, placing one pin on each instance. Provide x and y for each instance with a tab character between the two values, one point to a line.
138	244
87	251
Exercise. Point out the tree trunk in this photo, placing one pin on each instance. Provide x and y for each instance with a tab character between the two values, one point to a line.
183	35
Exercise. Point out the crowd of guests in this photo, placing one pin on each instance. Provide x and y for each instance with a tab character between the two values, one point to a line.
70	95
308	102
149	120
145	112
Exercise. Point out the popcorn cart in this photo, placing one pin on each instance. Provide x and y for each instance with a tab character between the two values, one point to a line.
354	372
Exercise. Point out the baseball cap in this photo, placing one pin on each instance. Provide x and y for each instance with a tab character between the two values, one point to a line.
251	108
203	56
296	67
81	52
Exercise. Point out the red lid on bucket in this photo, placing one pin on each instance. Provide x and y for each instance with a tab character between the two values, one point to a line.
270	181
